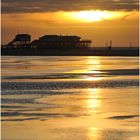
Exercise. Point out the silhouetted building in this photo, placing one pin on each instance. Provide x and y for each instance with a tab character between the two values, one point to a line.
20	41
55	42
48	42
110	46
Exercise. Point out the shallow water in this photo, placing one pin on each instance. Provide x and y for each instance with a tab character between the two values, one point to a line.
69	98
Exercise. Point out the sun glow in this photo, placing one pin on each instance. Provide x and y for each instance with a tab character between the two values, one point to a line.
90	16
94	16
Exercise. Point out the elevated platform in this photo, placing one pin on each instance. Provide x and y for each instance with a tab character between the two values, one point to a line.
48	42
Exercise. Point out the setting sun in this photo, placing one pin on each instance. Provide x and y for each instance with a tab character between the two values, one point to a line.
94	16
90	16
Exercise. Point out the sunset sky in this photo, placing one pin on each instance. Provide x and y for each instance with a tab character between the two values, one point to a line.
98	20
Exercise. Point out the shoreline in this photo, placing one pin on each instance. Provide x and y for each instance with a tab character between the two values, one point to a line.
72	52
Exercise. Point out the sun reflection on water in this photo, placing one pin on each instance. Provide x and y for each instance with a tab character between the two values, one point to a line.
94	106
93	133
94	63
93	102
89	78
93	66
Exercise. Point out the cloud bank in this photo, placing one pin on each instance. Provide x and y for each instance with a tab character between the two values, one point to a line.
30	6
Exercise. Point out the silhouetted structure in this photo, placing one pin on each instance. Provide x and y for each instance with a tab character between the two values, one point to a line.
20	41
110	45
48	42
130	44
62	42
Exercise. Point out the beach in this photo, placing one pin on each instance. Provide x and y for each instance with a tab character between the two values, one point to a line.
70	98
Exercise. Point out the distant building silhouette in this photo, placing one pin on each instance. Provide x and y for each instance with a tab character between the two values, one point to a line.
130	44
48	42
55	41
20	41
110	45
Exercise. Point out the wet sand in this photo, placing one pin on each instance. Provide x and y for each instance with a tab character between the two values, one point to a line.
85	114
70	98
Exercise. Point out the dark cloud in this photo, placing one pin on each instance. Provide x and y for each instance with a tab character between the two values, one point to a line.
22	6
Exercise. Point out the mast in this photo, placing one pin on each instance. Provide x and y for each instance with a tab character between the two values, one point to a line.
130	44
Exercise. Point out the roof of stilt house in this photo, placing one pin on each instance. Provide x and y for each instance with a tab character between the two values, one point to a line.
59	38
23	37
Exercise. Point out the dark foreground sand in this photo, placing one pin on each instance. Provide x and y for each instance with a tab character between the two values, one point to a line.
72	52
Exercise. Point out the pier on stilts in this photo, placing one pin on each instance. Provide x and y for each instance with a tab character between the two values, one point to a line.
20	41
49	42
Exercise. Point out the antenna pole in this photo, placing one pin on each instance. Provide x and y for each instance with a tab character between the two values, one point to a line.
130	44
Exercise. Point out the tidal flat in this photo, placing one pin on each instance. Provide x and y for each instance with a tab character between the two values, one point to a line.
70	98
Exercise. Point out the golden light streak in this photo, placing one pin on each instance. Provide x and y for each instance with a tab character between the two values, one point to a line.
89	78
94	16
91	70
62	17
90	16
93	101
93	133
